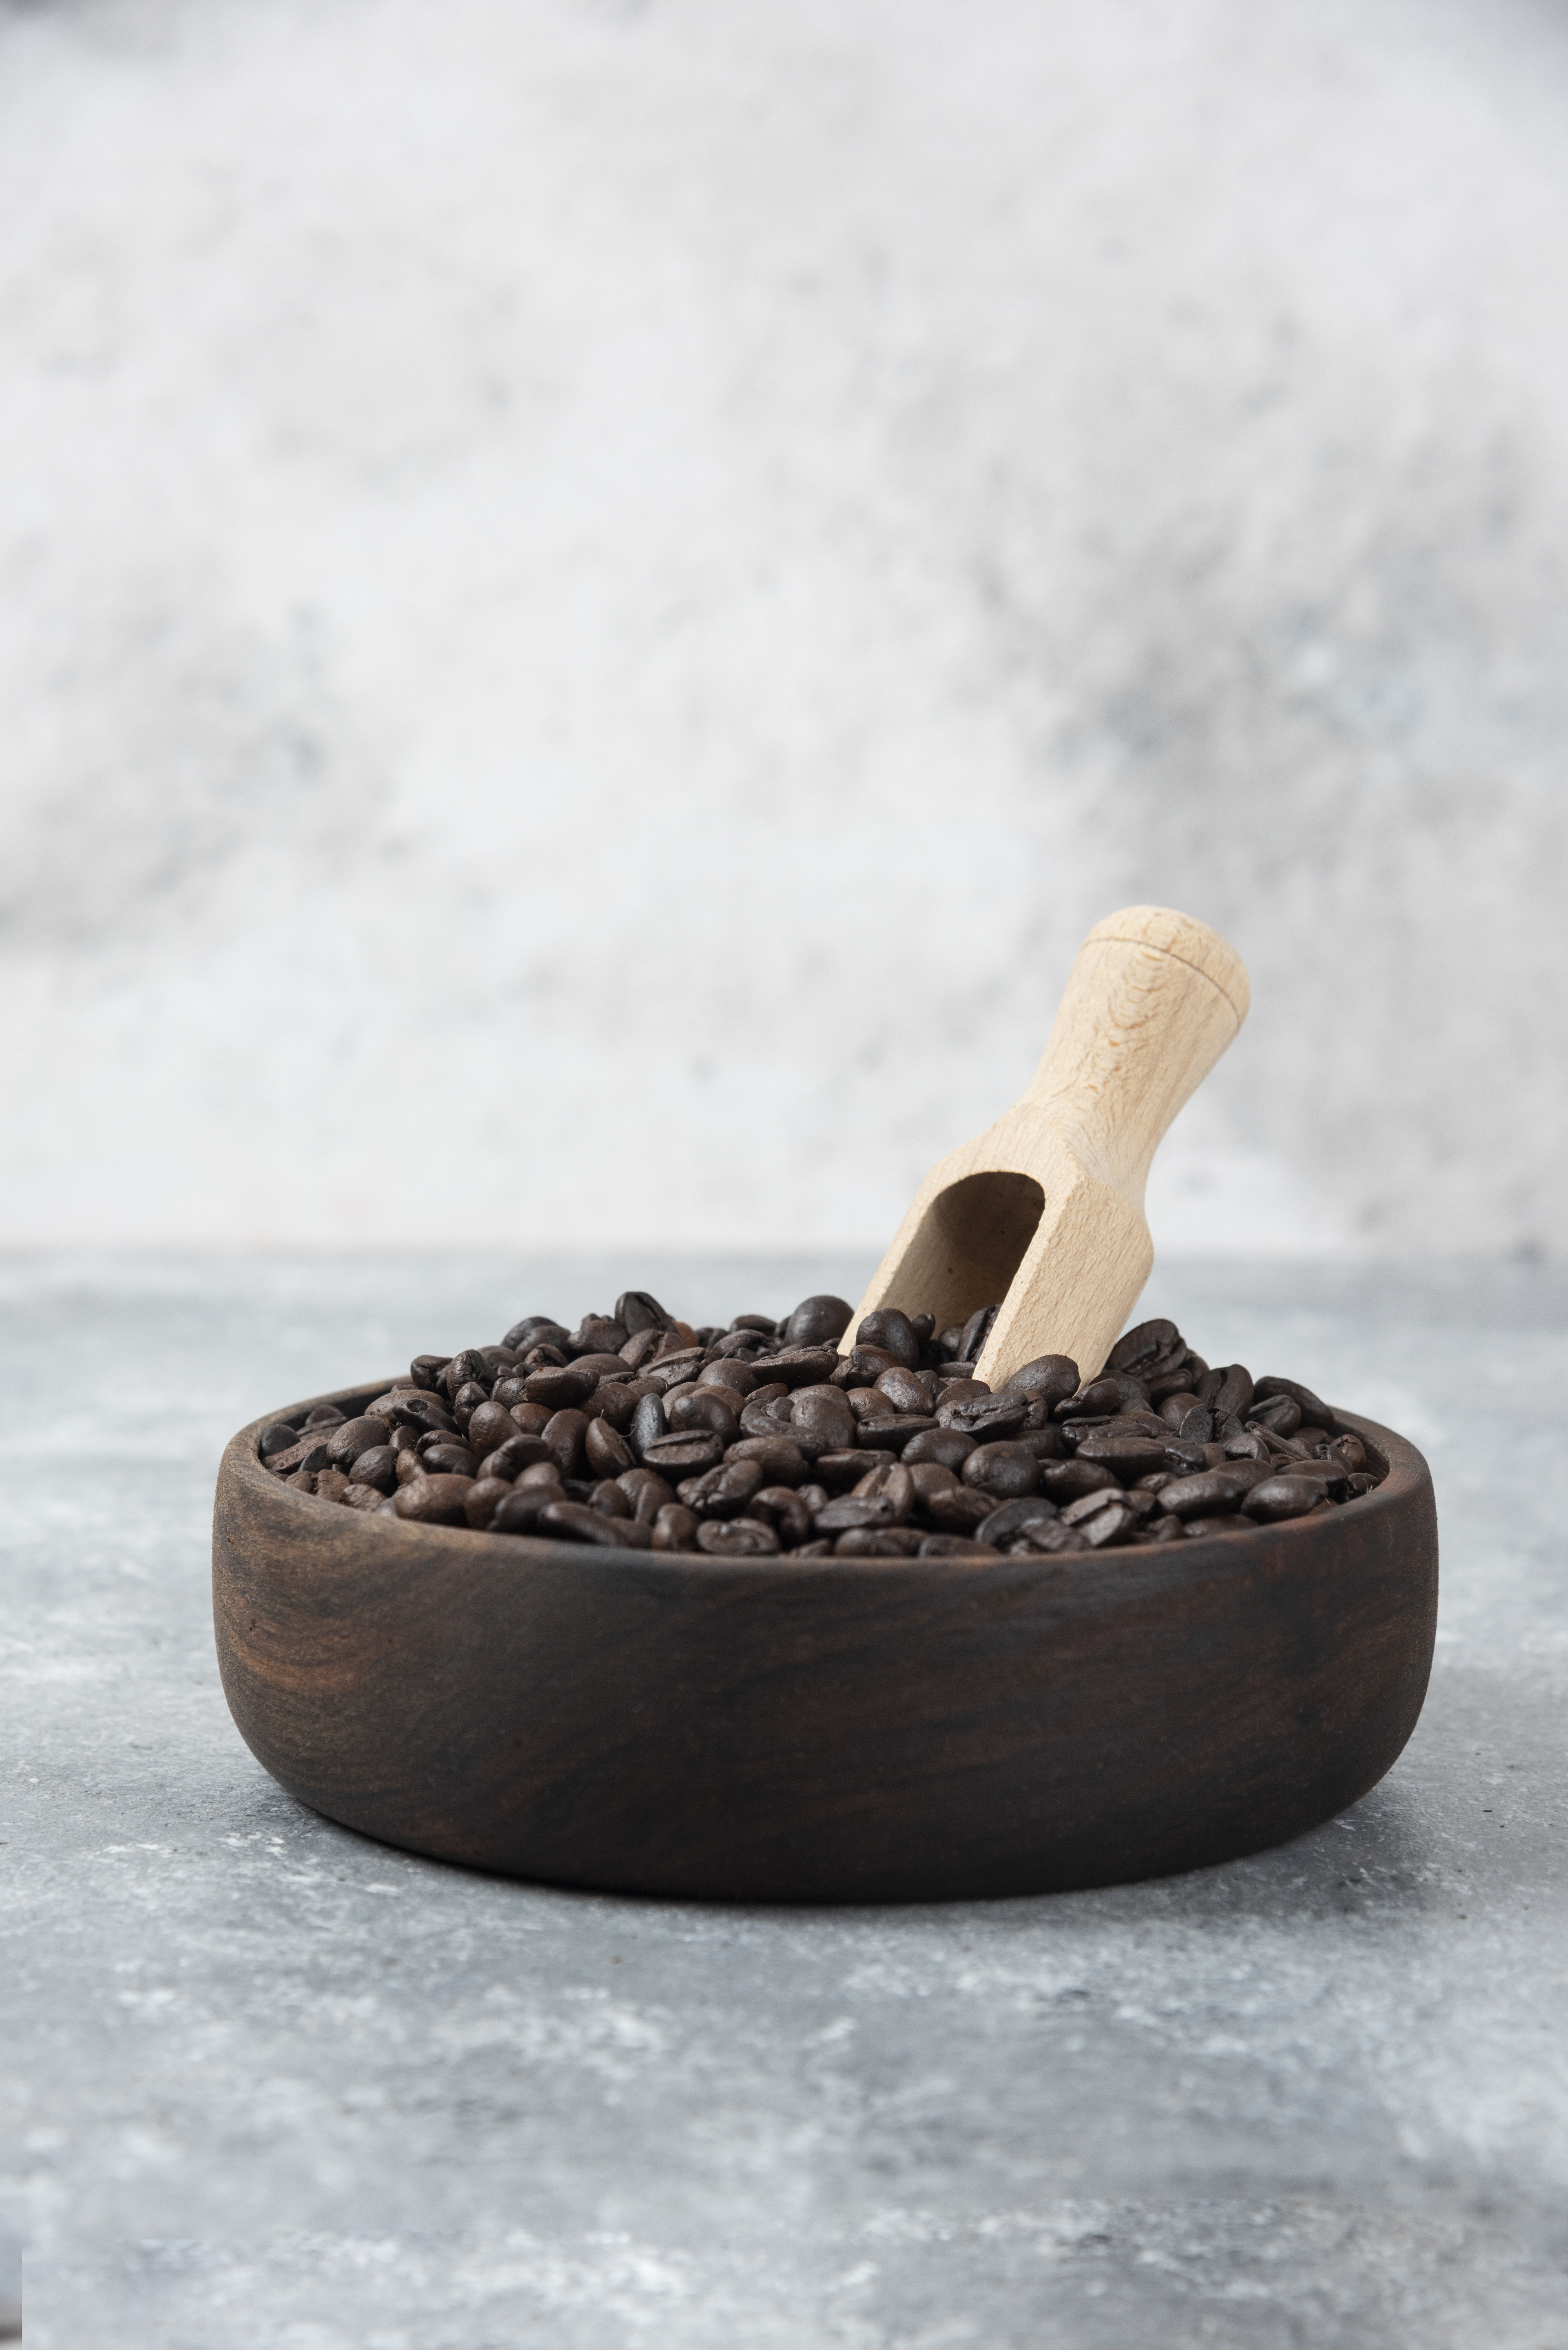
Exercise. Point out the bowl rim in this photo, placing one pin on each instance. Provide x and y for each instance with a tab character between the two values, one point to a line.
1407	1472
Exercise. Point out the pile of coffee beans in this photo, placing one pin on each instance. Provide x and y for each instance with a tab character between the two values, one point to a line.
637	1431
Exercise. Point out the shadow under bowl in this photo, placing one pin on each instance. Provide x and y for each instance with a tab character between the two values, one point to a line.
848	1730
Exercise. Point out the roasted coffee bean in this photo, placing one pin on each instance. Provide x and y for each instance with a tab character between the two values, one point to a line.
804	1366
467	1370
684	1453
1051	1377
557	1390
1095	1401
597	1335
615	1401
447	1457
868	1404
638	1309
302	1480
780	1459
428	1370
737	1538
413	1408
839	1517
906	1392
483	1499
308	1452
524	1334
1202	1529
1004	1523
781	1507
648	1425
888	1329
278	1438
465	1400
820	1420
580	1522
647	1492
840	1472
1004	1471
378	1467
331	1484
960	1509
986	1417
1283	1497
564	1434
1206	1495
1044	1537
606	1496
490	1425
435	1500
815	1320
1067	1481
948	1447
703	1407
1128	1456
358	1495
976	1331
1228	1392
1175	1408
1278	1415
724	1491
518	1511
641	1346
675	1528
1313	1409
606	1452
731	1374
410	1467
896	1435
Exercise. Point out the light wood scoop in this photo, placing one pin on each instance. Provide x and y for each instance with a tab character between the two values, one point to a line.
1044	1209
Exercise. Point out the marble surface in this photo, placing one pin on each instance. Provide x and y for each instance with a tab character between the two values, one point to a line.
260	2078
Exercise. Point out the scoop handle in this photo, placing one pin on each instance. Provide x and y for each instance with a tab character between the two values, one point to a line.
1151	1002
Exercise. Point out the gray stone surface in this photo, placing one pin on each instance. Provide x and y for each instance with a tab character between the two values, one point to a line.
262	2080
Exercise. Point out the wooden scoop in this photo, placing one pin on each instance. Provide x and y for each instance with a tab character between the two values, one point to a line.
1044	1209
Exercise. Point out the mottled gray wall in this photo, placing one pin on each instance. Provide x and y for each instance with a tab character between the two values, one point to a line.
593	597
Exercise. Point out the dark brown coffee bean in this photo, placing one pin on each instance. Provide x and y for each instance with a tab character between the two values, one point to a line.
606	1453
960	1509
435	1500
447	1457
518	1513
1228	1392
324	1414
724	1491
1004	1523
890	1329
840	1472
947	1448
675	1529
358	1495
1151	1348
558	1390
820	1420
907	1393
1239	1529
564	1434
806	1367
410	1408
648	1425
331	1484
1044	1537
1109	1526
958	1548
1096	1402
1005	1471
638	1309
597	1335
278	1438
1067	1481
1283	1497
890	1483
1051	1377
880	1542
1130	1456
817	1319
737	1538
410	1467
895	1435
976	1331
780	1459
606	1496
986	1417
1175	1408
309	1451
684	1453
1278	1415
427	1371
490	1425
640	1348
377	1468
1207	1495
1311	1408
579	1522
703	1407
781	1507
466	1370
731	1374
647	1492
509	1460
869	1405
837	1517
483	1499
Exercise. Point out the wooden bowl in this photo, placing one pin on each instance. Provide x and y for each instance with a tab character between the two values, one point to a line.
853	1730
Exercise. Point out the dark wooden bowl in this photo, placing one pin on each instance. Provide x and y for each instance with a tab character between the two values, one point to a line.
857	1729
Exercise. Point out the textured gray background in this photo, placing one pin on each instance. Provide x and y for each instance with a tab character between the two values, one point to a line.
261	2080
543	541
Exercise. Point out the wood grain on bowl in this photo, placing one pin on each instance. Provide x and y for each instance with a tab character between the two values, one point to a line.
833	1729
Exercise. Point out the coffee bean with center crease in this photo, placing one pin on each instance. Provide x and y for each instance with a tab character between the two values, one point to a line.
1002	1523
948	1447
579	1522
564	1436
1097	1400
648	1424
988	1418
560	1389
960	1509
435	1500
675	1528
976	1331
683	1452
724	1491
704	1407
378	1467
447	1457
781	1507
1313	1409
780	1458
606	1453
1130	1456
1278	1415
737	1538
1283	1497
638	1309
345	1442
